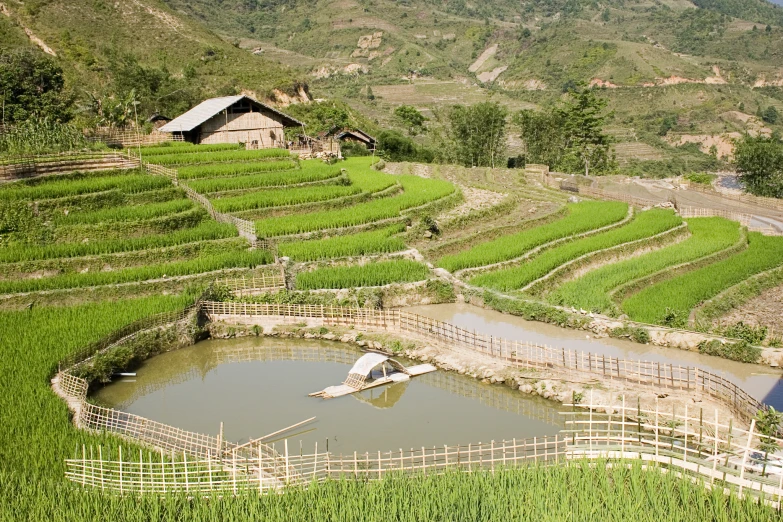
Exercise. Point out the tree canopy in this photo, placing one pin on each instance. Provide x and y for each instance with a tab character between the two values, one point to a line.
476	135
32	85
570	137
759	161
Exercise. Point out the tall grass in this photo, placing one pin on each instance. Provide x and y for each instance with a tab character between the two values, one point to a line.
416	191
41	136
671	301
644	225
205	231
221	156
129	213
128	183
227	170
582	217
363	243
372	274
236	259
591	291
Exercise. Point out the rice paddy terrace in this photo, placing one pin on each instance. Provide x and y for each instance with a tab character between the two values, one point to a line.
85	253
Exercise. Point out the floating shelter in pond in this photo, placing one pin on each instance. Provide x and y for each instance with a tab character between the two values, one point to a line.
360	377
233	119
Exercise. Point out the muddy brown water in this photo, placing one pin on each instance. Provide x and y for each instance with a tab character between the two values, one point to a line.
257	385
760	381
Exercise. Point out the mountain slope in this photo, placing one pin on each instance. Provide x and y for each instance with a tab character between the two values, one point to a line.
106	48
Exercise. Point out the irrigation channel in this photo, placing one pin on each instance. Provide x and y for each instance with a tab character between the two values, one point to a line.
230	381
763	382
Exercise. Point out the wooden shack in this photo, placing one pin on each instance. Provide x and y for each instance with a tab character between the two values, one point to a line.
356	136
233	119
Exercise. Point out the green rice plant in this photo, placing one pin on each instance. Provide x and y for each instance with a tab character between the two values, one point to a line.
581	217
107	230
37	432
239	258
574	491
224	156
361	244
645	224
362	180
128	213
283	197
416	192
307	174
184	148
670	302
173	144
227	170
591	291
372	274
205	231
128	183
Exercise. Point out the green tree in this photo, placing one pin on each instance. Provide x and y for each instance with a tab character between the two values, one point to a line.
770	115
395	147
542	133
32	85
586	146
477	134
759	162
411	118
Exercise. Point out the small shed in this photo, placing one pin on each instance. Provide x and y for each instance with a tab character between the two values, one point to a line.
158	120
356	136
233	119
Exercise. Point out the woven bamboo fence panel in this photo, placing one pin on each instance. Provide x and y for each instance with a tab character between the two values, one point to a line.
518	353
52	164
689	212
264	281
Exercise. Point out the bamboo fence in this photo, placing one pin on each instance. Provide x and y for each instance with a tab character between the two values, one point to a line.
689	212
130	138
52	164
258	283
759	201
687	442
517	353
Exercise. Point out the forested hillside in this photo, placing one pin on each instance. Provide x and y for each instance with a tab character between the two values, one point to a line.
112	51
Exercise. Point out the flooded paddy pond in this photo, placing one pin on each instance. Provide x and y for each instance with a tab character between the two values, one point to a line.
258	385
762	382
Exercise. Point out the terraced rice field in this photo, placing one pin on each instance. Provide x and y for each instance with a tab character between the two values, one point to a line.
580	218
106	228
591	291
644	225
671	301
113	230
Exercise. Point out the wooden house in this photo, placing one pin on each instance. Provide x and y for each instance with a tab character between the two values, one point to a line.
233	119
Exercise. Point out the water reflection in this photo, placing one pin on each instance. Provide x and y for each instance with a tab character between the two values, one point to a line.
259	385
760	381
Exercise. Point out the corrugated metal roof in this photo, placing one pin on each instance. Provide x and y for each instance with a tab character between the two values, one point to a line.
209	108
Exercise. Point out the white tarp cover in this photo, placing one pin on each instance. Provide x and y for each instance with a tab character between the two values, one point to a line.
367	362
